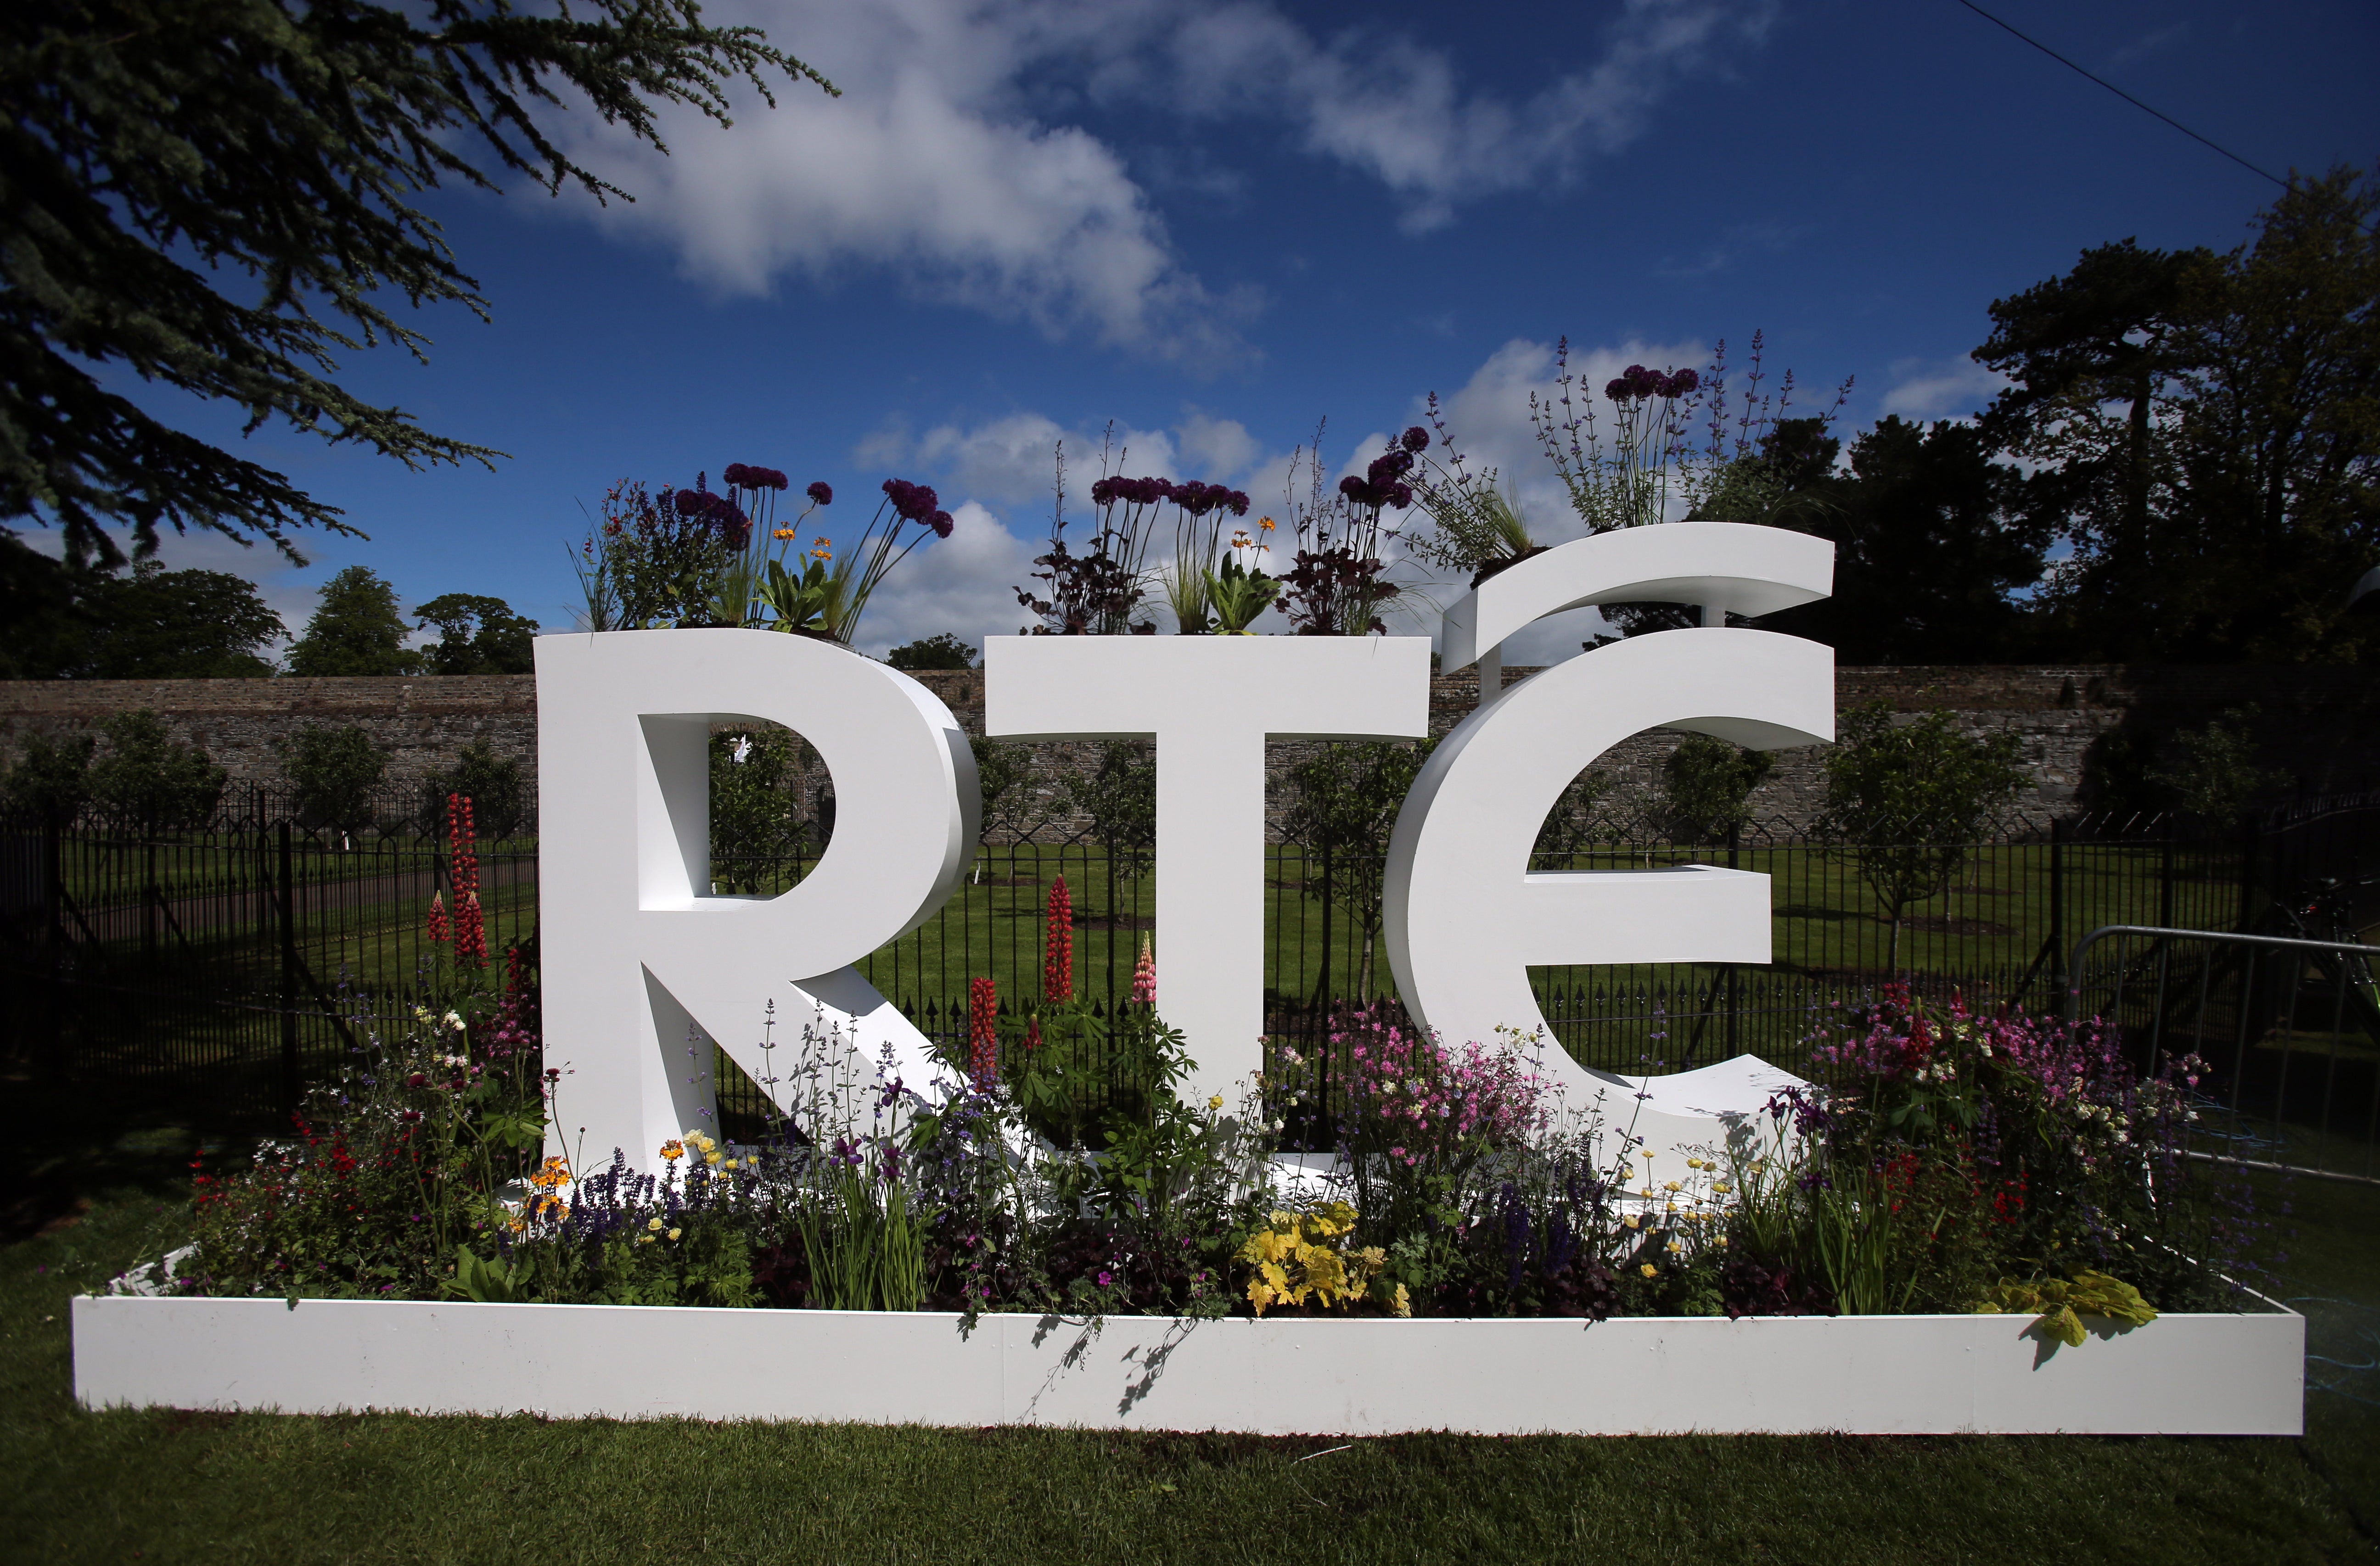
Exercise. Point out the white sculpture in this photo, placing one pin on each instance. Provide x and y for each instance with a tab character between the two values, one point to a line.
1209	703
643	964
1464	916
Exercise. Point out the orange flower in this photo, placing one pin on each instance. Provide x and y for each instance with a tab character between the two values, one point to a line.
784	533
1265	523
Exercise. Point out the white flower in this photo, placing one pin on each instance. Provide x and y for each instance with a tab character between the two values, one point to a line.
454	1020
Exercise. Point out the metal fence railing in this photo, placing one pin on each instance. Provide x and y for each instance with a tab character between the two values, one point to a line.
228	960
2288	1028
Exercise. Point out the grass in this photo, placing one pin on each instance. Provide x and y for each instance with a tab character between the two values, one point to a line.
171	1487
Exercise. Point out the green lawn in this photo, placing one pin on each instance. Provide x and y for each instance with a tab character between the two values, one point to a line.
170	1487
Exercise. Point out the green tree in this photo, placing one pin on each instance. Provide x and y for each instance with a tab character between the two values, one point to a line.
493	784
477	635
1705	784
1003	777
1342	807
88	622
190	624
1913	799
356	630
148	781
336	771
2211	771
51	781
2205	433
943	651
211	195
1931	545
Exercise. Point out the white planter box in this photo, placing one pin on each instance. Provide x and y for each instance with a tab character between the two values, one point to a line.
1896	1374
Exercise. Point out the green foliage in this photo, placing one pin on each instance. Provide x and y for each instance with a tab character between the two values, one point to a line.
51	781
1120	797
499	797
1236	595
1913	798
356	630
1569	826
2211	771
336	772
940	651
477	635
1705	783
2062	1303
211	195
756	817
147	780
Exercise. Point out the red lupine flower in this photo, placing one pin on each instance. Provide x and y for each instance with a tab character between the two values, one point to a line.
1058	957
983	1043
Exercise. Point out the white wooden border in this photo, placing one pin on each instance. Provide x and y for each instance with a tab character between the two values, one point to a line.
1892	1374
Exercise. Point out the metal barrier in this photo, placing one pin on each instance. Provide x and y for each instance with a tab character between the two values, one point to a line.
2289	1067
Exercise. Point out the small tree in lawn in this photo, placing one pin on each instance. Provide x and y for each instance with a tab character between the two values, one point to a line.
1120	797
1343	806
1913	798
335	771
1706	785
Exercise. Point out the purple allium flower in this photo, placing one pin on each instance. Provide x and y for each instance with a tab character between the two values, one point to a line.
941	523
1238	503
821	494
1685	381
1415	439
1104	492
735	476
1400	495
1354	489
693	503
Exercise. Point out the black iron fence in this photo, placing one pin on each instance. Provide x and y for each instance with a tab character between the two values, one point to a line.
229	961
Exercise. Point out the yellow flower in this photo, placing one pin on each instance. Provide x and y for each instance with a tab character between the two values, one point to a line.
1649	1271
644	1239
1630	1221
676	1233
729	1164
1722	1240
1721	1186
654	1224
1694	1163
784	533
1672	1247
673	1150
1216	1102
1672	1185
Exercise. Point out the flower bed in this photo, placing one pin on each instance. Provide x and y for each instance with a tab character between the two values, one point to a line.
1972	1208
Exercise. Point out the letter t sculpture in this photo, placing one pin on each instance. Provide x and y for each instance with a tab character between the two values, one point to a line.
1209	703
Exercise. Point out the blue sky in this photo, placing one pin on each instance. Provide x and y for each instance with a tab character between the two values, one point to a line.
1214	224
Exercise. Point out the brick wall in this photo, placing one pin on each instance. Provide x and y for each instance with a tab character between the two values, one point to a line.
2320	726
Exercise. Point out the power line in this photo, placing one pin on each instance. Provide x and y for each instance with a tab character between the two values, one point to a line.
2124	95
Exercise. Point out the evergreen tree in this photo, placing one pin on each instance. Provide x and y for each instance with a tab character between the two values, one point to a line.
211	194
356	630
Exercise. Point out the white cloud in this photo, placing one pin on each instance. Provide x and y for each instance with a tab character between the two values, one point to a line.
950	159
1924	389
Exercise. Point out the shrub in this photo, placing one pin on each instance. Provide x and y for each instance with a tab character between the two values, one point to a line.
148	781
1705	784
51	781
492	783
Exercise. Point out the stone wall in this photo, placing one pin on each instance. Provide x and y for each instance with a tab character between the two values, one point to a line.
2320	727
